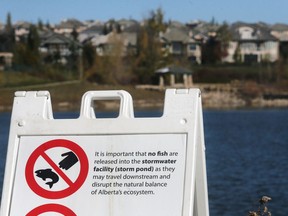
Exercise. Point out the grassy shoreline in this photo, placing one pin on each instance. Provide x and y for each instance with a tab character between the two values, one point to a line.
66	96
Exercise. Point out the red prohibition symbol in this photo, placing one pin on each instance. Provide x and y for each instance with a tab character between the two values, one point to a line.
72	186
51	208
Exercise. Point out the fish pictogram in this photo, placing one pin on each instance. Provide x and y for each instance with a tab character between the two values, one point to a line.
47	173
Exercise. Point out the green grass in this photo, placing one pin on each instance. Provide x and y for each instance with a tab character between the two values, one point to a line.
13	79
69	92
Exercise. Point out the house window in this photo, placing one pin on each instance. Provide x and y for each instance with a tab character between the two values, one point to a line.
192	47
248	46
246	32
165	46
269	45
177	48
250	58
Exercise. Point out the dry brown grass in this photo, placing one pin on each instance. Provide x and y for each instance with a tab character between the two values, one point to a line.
67	95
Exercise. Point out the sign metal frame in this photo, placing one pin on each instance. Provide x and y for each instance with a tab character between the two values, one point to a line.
32	116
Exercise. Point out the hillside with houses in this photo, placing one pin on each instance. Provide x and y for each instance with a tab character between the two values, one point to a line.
143	54
196	42
246	42
150	53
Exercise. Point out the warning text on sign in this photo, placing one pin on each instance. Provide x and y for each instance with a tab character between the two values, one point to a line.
134	173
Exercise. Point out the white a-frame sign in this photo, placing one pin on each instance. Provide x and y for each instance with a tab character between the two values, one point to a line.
123	166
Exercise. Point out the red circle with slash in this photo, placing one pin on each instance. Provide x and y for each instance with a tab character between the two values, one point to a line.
51	208
72	186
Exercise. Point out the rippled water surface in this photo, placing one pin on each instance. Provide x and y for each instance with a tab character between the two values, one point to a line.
247	157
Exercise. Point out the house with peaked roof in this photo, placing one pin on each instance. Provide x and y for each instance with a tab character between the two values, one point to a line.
130	42
125	43
58	45
203	30
252	43
180	43
5	60
280	31
90	32
67	26
127	24
21	29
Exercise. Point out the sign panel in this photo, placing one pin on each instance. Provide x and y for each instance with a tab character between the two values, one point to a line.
123	166
138	171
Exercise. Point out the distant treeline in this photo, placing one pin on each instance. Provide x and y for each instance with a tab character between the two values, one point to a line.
137	66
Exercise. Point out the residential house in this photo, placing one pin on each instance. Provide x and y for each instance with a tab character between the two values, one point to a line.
280	31
252	43
202	30
90	32
114	42
67	26
128	25
21	29
111	26
57	47
5	60
130	42
180	43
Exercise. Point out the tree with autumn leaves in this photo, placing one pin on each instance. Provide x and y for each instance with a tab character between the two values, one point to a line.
136	67
150	56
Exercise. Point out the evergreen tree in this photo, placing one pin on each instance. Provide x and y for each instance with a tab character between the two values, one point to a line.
88	56
224	36
7	40
237	55
47	25
73	60
211	51
40	24
27	53
74	34
33	40
156	22
9	26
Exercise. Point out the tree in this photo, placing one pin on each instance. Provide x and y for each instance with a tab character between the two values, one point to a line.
88	56
149	54
237	54
40	24
9	26
216	47
47	25
211	51
27	53
74	34
33	43
224	36
7	39
33	40
73	58
111	68
156	21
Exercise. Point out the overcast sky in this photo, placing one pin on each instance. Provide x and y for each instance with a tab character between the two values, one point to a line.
53	11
